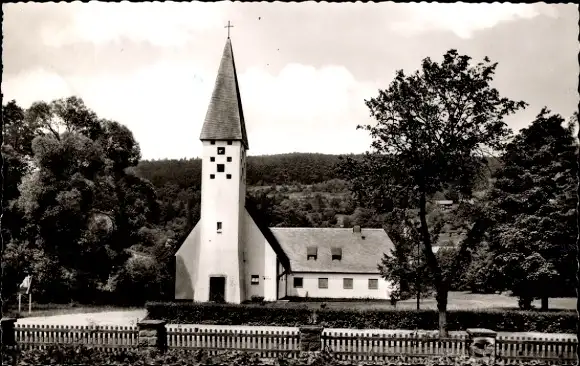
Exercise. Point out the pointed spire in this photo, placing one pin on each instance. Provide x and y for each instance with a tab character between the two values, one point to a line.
225	118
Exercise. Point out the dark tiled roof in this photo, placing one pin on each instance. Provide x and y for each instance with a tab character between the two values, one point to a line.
225	118
358	255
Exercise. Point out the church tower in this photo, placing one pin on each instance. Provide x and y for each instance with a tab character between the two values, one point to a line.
220	272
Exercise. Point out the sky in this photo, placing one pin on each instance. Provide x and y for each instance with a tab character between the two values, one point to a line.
304	69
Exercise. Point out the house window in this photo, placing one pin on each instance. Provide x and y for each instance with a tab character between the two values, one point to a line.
311	253
229	159
212	176
347	283
298	282
323	283
212	159
221	168
212	142
229	142
336	254
255	279
228	176
221	150
219	227
373	284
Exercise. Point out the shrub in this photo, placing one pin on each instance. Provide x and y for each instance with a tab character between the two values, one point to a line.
82	355
252	314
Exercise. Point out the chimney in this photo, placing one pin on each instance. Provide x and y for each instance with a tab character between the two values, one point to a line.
356	229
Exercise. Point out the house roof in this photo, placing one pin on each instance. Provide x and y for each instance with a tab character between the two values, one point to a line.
225	118
358	255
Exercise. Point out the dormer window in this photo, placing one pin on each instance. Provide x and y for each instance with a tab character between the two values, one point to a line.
336	254
221	150
311	253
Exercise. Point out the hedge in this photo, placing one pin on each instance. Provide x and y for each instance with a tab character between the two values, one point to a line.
254	314
83	355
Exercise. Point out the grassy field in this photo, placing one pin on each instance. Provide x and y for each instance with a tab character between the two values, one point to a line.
457	301
42	310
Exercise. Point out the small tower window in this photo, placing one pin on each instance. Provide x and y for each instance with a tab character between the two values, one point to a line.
255	279
212	142
229	142
221	168
221	150
228	176
229	159
212	159
212	176
219	227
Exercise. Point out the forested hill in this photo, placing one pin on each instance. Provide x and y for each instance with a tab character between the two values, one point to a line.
301	168
294	168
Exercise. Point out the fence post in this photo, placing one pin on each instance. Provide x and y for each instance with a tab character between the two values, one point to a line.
152	335
8	333
482	343
310	338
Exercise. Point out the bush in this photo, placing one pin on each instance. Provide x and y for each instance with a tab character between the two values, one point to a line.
82	355
251	314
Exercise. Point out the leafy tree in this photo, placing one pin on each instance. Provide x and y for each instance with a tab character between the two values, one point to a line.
83	204
532	241
433	129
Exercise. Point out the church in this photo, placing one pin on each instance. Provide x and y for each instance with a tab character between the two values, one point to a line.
230	257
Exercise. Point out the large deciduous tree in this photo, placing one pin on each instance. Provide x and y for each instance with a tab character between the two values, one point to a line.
534	200
84	204
433	130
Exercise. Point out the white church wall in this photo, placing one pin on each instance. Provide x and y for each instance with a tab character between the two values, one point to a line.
185	265
254	257
282	286
269	272
219	250
360	288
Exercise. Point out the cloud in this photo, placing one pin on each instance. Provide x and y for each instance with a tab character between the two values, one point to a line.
464	19
164	24
301	108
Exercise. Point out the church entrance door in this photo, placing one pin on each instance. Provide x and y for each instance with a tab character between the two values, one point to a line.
217	289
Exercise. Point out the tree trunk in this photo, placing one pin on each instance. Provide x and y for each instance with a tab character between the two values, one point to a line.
544	303
440	285
442	308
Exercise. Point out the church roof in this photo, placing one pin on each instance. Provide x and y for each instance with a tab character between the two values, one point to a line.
361	252
225	118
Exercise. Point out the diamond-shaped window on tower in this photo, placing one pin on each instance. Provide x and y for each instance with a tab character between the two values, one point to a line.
221	150
221	168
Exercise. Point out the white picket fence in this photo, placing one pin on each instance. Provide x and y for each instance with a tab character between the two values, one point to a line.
549	349
100	337
346	345
362	346
266	343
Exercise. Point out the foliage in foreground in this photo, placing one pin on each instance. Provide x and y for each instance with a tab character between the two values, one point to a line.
229	314
80	354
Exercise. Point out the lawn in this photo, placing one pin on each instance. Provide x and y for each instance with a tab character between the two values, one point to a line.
42	310
457	301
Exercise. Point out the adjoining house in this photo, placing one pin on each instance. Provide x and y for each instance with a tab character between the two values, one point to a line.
230	257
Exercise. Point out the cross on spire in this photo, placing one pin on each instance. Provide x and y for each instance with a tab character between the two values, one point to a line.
228	27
